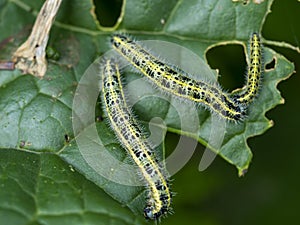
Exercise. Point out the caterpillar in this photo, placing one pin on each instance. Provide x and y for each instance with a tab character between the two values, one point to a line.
132	138
253	78
177	82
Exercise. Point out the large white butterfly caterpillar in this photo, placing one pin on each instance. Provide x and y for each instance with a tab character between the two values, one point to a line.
175	81
179	83
253	78
132	138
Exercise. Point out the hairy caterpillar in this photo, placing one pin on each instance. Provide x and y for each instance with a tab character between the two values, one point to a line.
251	88
177	82
174	81
131	137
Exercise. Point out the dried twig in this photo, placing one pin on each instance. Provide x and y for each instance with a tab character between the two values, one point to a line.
30	57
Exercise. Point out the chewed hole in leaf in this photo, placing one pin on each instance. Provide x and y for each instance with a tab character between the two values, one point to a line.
271	65
108	12
230	61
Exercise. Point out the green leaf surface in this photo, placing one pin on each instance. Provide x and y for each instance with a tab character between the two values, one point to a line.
38	184
43	189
